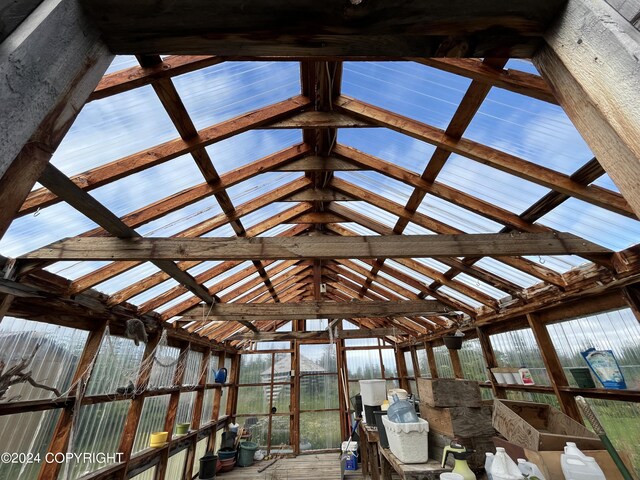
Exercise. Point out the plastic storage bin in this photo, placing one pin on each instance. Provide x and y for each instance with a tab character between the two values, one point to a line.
408	441
373	392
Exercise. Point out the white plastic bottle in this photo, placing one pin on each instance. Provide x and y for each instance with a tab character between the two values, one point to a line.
577	466
530	469
503	468
487	465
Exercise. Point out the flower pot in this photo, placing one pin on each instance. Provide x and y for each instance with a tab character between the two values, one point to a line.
452	342
182	428
158	439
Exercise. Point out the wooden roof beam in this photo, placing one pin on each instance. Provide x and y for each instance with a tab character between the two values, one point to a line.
64	188
156	155
510	79
489	156
313	247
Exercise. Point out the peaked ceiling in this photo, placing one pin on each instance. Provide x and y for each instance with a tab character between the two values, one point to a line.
350	153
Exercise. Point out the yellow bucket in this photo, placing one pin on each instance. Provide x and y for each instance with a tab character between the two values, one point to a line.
158	439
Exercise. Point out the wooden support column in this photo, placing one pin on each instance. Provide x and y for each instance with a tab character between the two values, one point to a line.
591	63
402	370
343	388
554	368
197	412
60	439
52	61
217	398
135	409
431	360
455	362
631	295
490	361
234	376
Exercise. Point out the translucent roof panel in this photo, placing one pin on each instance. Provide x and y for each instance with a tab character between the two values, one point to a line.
521	64
505	271
75	270
250	146
605	182
417	91
459	296
558	263
486	183
128	278
153	292
380	216
120	62
380	184
148	186
226	90
593	223
529	128
455	216
182	219
480	286
390	146
114	127
259	185
42	228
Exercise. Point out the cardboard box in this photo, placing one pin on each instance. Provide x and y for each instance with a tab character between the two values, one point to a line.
459	421
549	461
449	392
540	427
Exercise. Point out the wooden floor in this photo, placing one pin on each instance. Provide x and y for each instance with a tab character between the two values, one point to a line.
322	466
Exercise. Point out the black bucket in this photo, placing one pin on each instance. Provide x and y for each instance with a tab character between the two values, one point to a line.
382	432
208	465
368	413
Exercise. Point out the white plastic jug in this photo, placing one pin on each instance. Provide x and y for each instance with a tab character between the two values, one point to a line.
530	469
487	465
577	466
503	468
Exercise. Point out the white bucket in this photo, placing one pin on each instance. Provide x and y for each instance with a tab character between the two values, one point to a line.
373	392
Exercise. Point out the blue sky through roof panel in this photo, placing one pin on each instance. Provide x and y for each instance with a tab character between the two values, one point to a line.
74	270
487	183
120	62
114	127
480	286
531	129
456	216
150	185
380	184
127	278
178	221
390	146
408	88
260	185
229	89
505	271
46	226
605	182
594	223
153	292
250	146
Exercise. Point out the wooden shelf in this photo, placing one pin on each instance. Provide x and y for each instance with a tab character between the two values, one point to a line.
599	393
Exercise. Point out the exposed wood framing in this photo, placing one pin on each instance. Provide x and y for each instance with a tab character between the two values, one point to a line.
591	62
324	247
554	368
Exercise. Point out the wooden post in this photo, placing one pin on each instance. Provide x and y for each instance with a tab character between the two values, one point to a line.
431	360
490	361
60	440
455	362
554	368
135	409
402	370
343	388
6	298
53	61
591	63
197	412
631	295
